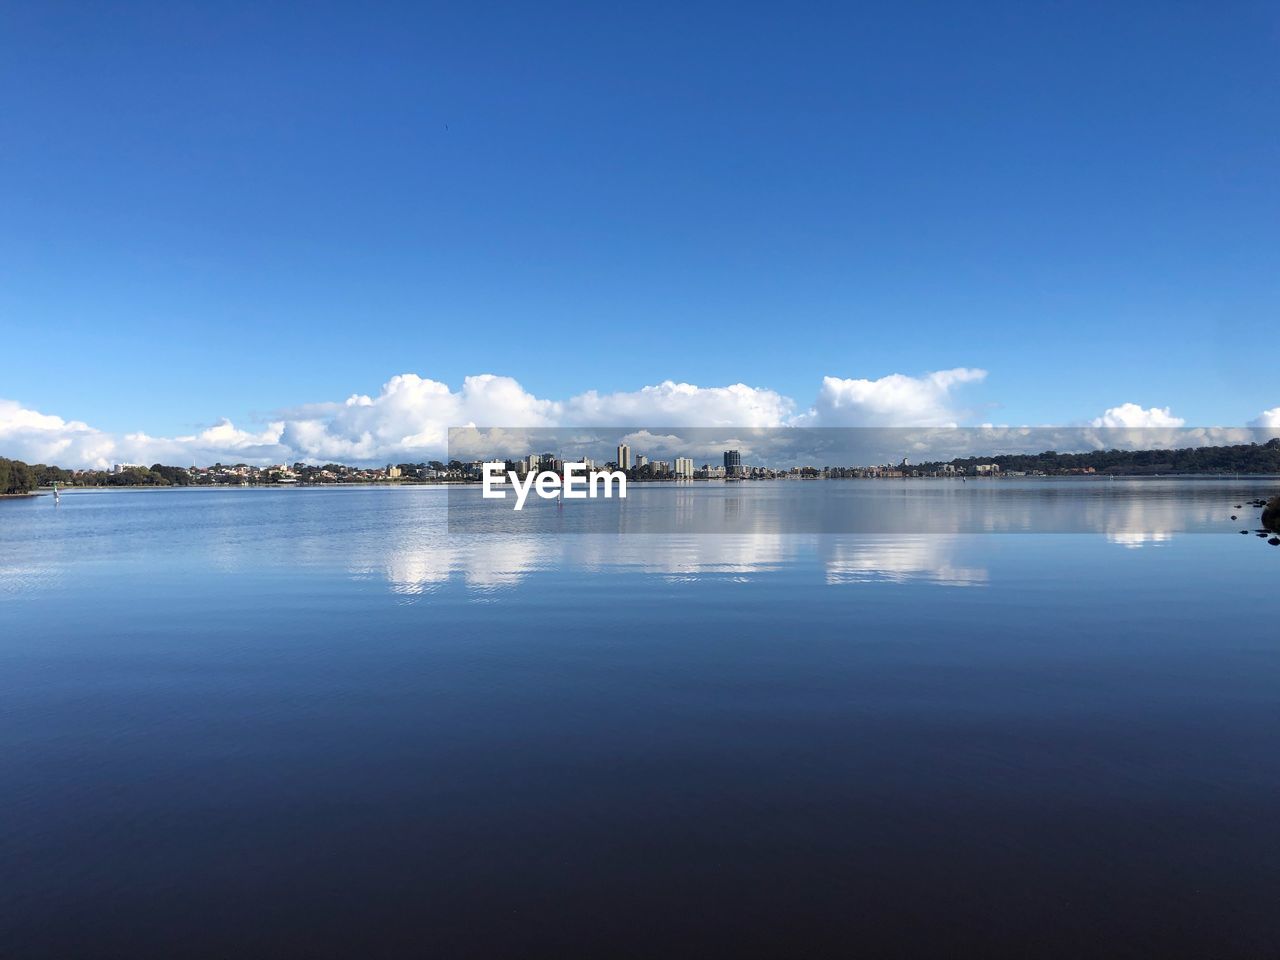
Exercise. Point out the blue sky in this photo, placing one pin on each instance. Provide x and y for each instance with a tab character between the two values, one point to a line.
222	210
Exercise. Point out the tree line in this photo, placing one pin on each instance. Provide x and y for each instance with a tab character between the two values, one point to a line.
19	477
1238	458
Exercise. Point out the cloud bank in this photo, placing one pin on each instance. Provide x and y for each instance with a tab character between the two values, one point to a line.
1133	416
409	419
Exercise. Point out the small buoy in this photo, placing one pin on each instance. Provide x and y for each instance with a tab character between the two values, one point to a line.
1233	516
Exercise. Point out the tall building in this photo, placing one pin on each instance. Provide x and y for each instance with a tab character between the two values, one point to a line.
732	463
624	457
641	461
684	468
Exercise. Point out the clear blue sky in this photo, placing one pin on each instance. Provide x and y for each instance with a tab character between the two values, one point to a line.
215	209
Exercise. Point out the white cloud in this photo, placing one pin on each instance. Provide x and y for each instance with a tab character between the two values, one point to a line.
1267	419
410	416
1133	416
671	404
42	438
892	401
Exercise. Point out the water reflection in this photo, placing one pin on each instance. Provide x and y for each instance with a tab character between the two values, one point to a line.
1135	540
420	564
931	559
406	538
866	508
420	567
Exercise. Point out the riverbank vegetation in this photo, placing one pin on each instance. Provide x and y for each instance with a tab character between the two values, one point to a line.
1238	458
16	478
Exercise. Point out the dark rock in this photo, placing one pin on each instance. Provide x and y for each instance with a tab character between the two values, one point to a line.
1271	515
1233	516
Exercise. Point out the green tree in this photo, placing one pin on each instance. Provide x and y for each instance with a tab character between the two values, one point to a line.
16	477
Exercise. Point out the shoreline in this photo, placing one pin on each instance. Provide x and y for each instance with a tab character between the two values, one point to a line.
446	484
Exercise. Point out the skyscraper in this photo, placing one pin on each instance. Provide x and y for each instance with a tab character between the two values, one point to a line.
732	463
624	457
684	468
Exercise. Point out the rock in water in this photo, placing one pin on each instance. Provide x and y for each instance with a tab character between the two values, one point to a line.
1271	515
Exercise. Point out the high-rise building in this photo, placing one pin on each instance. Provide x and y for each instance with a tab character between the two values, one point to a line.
732	463
641	461
684	468
624	457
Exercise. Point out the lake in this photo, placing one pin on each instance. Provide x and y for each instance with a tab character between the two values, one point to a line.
837	718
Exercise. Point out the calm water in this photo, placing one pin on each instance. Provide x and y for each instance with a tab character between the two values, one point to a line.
315	723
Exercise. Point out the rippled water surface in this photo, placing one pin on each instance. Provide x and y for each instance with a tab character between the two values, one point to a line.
316	722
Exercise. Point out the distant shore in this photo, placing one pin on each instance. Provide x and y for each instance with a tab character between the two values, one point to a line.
667	481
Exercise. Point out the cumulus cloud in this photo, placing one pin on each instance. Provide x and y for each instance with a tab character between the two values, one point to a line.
1133	416
893	401
680	405
1268	418
409	419
43	438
